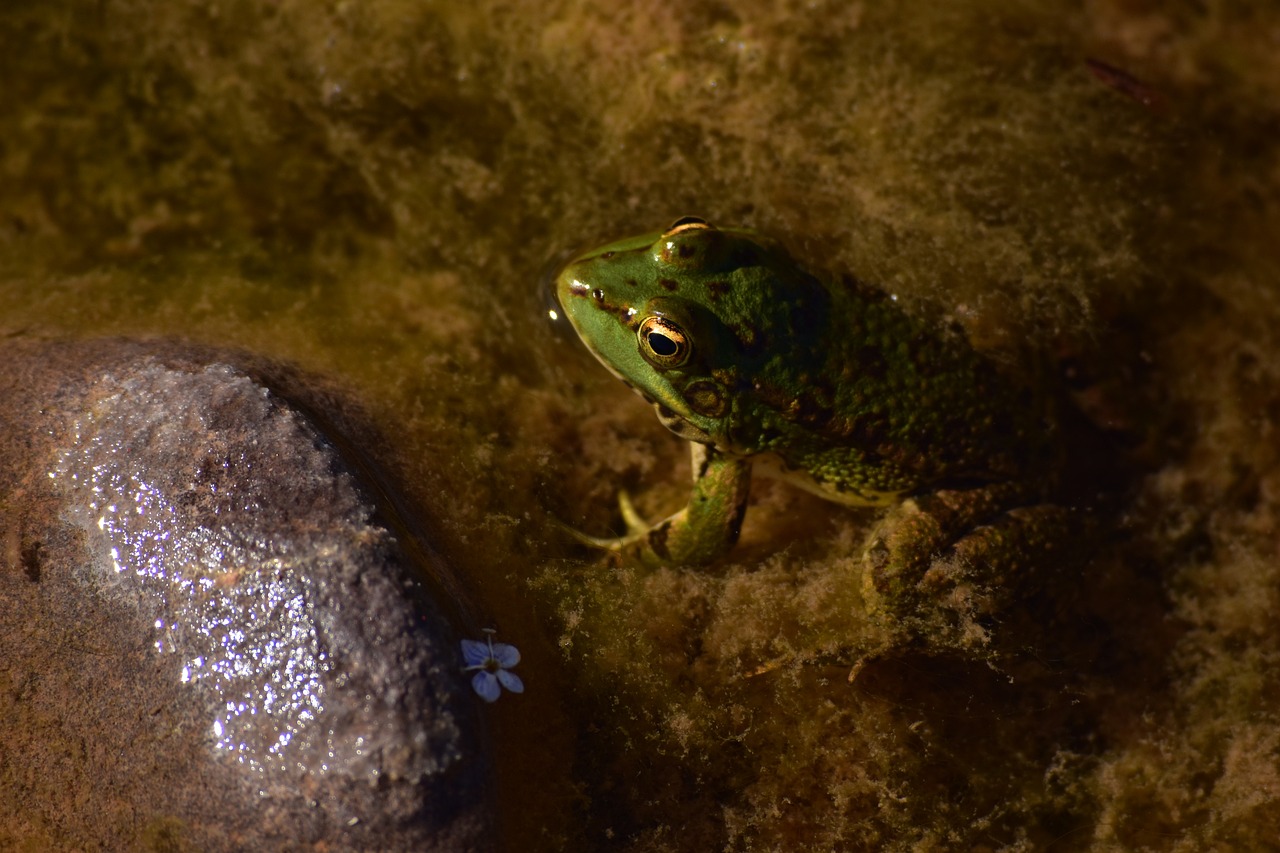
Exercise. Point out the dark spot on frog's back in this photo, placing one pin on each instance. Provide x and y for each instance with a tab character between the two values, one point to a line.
717	288
750	339
668	284
814	410
871	362
686	251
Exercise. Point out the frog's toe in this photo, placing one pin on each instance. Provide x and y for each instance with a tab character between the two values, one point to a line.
875	558
897	556
646	547
636	525
881	578
606	543
890	580
636	528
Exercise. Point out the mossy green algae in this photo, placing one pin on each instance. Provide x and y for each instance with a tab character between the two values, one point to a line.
371	189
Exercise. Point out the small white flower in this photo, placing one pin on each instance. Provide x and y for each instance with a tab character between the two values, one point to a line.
491	663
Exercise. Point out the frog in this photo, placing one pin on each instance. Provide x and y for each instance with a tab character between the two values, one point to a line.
825	382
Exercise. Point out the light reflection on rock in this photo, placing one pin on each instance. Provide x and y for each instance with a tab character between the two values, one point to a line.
210	579
307	656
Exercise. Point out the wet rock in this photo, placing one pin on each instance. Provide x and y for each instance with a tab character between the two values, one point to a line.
209	637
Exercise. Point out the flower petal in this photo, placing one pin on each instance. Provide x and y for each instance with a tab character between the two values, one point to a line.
510	680
486	686
506	655
475	652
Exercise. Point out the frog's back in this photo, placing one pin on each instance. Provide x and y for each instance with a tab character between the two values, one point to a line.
876	404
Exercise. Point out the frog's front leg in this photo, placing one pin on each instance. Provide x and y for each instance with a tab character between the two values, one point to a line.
705	529
963	550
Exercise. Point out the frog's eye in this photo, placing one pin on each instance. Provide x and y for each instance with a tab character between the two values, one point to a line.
663	343
690	244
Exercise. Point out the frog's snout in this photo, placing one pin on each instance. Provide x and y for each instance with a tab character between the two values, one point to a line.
548	298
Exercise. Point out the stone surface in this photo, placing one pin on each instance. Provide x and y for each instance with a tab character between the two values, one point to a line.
210	637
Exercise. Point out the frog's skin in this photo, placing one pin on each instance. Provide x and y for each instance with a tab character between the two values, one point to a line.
825	383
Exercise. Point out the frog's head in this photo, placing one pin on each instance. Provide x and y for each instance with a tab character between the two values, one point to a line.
677	315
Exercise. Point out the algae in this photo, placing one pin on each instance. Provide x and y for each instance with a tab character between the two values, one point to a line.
371	191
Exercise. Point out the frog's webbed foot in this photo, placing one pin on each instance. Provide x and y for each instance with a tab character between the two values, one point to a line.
962	552
637	528
704	530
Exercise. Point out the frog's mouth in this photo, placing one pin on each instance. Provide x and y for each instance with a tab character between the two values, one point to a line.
677	424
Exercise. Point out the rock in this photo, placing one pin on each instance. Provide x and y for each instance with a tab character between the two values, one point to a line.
210	637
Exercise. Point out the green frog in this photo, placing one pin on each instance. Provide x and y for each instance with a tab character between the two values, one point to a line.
828	384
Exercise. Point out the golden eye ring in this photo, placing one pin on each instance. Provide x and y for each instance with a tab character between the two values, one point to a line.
663	343
688	223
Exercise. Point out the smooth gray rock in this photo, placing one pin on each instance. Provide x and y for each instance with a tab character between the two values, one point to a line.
208	637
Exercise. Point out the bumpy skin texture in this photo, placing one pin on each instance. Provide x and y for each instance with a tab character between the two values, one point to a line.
825	383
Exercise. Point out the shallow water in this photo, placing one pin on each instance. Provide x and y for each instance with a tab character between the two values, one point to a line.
371	192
